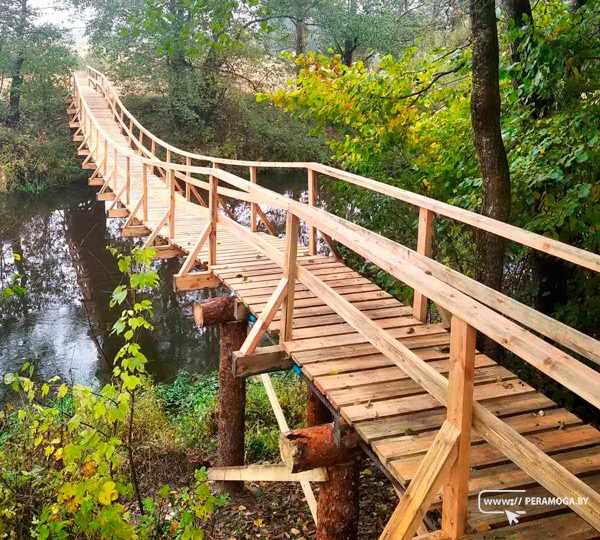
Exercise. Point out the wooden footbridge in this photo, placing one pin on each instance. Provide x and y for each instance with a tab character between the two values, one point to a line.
444	422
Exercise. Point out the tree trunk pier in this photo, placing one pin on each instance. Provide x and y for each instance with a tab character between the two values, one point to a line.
232	390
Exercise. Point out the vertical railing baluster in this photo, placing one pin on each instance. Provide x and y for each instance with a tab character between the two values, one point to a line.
213	209
171	203
105	164
312	201
145	190
424	248
460	409
114	171
289	272
127	179
153	152
188	162
253	206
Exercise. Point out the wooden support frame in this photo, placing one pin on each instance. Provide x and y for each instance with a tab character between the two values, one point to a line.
267	315
262	360
266	222
460	409
264	473
253	206
421	492
312	201
195	280
191	258
156	231
426	218
289	273
214	214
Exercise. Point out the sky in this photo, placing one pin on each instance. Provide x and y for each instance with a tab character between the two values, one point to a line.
55	12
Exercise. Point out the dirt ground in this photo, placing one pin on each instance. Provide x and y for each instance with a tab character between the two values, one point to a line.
277	511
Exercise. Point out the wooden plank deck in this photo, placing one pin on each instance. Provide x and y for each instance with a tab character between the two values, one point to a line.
392	413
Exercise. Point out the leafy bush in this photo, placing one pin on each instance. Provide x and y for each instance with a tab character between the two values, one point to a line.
71	456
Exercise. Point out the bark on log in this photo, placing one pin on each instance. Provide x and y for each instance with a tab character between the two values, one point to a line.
232	401
308	448
317	412
338	503
215	311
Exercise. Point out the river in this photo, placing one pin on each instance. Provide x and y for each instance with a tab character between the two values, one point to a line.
63	322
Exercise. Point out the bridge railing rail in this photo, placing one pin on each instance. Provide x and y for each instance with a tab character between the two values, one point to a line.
473	307
428	209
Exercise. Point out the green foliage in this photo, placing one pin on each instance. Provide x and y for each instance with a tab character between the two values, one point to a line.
69	464
35	59
193	406
407	122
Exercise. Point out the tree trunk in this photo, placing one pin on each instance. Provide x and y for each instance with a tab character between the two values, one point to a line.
348	52
338	505
232	402
485	118
14	92
519	11
316	412
576	4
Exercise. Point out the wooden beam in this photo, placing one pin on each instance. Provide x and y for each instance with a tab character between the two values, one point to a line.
289	273
214	214
264	473
134	231
167	252
266	316
191	258
460	408
424	248
266	222
195	280
118	212
262	360
253	206
420	493
312	201
106	196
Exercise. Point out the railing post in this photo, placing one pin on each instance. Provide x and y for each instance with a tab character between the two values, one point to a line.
115	157
312	201
145	190
460	407
253	206
289	272
188	191
171	204
105	164
424	248
153	152
127	178
213	208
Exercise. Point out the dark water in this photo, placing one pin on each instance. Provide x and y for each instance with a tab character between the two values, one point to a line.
63	323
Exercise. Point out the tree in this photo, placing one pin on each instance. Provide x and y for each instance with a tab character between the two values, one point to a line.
491	154
352	27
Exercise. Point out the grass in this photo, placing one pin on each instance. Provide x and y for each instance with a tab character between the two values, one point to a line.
191	404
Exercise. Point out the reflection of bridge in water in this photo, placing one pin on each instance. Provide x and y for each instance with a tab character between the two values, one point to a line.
403	389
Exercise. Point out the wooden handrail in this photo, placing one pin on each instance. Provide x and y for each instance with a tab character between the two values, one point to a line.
536	241
470	303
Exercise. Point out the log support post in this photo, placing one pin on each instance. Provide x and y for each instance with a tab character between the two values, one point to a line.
232	390
338	502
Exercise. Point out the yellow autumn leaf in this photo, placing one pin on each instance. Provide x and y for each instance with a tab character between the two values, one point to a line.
107	493
16	257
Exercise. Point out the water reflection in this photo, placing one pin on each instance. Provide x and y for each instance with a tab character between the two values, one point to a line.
64	321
